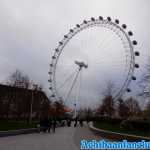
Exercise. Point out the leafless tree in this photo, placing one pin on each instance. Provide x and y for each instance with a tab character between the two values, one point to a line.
109	89
146	112
145	81
18	79
122	109
59	109
144	84
133	108
107	108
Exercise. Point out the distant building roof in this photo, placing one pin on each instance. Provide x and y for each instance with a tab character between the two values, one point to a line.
9	88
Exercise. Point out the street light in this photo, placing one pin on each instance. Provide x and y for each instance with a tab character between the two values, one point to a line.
34	88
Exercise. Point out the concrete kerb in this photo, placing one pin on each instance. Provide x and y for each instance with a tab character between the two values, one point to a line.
117	136
17	132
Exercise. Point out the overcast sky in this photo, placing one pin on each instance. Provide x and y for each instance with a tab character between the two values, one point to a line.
31	29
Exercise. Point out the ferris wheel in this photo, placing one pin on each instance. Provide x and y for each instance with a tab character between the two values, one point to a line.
89	55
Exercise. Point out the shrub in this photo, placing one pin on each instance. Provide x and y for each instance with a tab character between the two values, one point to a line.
107	119
135	124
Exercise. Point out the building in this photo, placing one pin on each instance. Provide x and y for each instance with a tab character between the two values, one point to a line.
16	103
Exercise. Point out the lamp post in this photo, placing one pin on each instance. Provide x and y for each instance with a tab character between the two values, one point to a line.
34	88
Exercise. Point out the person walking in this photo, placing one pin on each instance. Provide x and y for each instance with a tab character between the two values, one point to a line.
43	126
49	125
76	122
68	122
81	123
54	125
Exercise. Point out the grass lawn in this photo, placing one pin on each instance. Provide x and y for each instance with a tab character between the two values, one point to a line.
14	125
116	128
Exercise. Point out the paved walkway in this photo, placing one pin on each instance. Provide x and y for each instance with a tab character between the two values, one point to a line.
65	138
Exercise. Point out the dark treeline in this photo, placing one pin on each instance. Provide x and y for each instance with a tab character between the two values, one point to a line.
123	112
120	108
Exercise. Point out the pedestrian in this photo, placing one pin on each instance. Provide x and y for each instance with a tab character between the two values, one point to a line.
54	125
87	120
81	122
46	124
49	125
76	121
68	122
43	125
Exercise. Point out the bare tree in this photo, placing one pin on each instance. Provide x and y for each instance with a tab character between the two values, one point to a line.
146	112
133	107
107	106
145	81
123	110
18	79
59	108
109	89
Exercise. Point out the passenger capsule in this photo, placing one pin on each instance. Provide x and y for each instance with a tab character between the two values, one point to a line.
124	26
61	43
130	33
108	18
117	21
53	57
57	50
85	21
128	90
52	95
137	53
136	65
78	25
134	42
133	78
71	30
100	18
50	72
93	19
65	36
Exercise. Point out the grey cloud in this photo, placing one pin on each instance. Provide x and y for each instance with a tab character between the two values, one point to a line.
31	29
